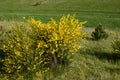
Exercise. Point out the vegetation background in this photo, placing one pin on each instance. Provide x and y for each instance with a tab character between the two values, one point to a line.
94	11
93	62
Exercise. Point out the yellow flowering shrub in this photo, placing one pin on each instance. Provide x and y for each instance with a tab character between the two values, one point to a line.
36	47
17	48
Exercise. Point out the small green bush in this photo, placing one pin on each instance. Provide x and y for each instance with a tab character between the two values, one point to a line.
99	33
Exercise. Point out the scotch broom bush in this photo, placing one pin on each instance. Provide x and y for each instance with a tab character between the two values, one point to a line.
36	47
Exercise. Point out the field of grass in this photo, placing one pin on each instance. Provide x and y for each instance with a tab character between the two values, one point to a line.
93	11
93	61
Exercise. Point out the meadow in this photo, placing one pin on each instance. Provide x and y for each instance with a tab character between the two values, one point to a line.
94	60
95	12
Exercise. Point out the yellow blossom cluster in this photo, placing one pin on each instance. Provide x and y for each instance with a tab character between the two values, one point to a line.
37	47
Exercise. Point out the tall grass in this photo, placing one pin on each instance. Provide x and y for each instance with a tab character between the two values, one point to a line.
94	61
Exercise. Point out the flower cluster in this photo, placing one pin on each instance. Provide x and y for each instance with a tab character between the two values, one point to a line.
37	47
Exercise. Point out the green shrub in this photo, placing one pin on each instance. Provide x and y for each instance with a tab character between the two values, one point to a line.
99	33
36	47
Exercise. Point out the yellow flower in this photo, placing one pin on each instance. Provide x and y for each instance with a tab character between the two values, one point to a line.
34	67
18	53
24	17
38	74
19	67
28	68
36	58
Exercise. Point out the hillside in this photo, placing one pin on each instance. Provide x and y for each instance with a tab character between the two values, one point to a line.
96	60
80	5
86	10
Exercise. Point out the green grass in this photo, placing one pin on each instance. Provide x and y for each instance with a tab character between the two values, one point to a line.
94	62
93	11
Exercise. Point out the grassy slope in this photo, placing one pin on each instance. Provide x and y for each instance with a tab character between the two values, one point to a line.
93	62
94	11
80	5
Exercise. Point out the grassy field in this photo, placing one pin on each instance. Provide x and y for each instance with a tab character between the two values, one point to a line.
93	11
93	62
90	63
